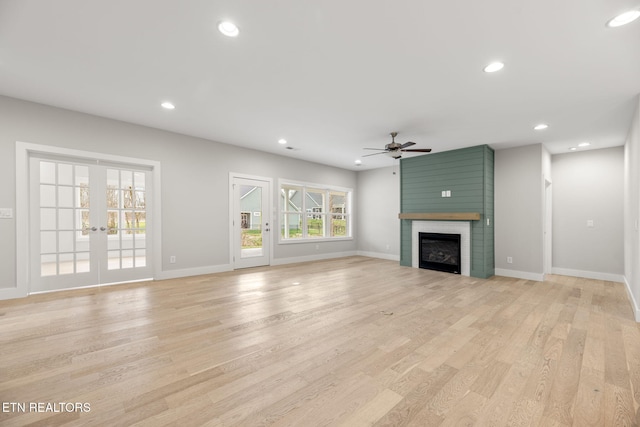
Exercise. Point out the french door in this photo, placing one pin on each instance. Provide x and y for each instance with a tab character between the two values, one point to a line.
90	223
251	223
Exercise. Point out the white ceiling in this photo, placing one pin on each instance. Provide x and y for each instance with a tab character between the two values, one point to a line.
333	77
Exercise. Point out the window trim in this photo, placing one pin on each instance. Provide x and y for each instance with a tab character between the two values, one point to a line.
307	211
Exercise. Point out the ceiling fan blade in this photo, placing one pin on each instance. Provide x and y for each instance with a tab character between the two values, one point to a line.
418	150
373	154
407	144
377	149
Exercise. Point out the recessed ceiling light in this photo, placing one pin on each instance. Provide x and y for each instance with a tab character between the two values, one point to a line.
282	141
624	18
493	67
573	148
584	144
358	162
168	105
229	29
541	126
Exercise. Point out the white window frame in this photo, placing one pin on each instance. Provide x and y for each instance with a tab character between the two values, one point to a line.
310	212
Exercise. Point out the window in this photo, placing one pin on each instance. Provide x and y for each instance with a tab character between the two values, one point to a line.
245	220
314	212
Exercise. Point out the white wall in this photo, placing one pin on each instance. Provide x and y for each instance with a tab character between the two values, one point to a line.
519	196
588	186
632	212
378	205
195	182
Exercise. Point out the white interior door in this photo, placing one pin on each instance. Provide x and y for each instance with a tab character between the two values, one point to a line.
89	224
251	222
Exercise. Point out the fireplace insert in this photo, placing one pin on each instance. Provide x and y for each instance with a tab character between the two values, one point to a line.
440	252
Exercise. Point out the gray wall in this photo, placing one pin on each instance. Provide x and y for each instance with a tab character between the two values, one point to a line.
585	185
192	169
632	212
588	186
378	202
519	183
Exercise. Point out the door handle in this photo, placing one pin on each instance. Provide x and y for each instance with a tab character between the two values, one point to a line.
103	228
94	228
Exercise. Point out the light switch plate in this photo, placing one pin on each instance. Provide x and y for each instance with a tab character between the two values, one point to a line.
6	213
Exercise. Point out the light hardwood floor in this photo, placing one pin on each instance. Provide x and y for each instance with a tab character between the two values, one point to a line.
353	341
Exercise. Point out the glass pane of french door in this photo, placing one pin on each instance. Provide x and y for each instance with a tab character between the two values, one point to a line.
126	219
63	219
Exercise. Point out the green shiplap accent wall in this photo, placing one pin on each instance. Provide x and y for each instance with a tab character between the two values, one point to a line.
468	174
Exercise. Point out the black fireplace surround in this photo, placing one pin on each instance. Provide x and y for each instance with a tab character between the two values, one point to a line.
441	252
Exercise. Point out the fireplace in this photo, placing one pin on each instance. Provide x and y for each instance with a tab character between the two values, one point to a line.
439	251
463	228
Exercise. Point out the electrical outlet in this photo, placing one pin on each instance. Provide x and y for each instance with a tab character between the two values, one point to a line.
172	259
509	260
6	213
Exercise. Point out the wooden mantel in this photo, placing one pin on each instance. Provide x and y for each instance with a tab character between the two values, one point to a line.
441	216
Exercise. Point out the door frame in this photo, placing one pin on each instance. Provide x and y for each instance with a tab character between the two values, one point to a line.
269	208
548	227
24	151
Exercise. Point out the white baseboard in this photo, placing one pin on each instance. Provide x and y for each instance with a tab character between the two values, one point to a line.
588	274
526	275
100	285
561	271
634	303
390	257
196	271
308	258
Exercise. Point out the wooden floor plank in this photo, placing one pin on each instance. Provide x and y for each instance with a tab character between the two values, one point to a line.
349	341
589	406
566	380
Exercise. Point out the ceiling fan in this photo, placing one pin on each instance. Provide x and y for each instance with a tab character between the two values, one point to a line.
395	149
